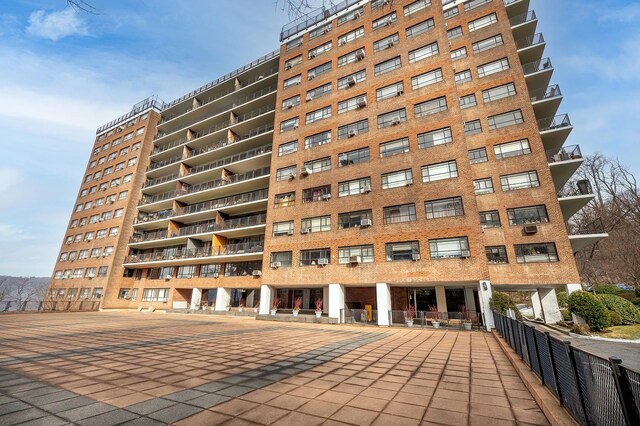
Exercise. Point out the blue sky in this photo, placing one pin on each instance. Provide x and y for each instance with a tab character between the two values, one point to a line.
63	74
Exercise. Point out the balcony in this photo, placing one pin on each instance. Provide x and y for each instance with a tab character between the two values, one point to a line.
546	101
148	236
158	164
229	160
563	163
588	235
554	130
166	258
238	249
538	74
241	227
162	179
200	192
574	196
524	25
150	199
530	49
150	217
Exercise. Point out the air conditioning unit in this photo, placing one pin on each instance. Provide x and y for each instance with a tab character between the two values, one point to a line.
289	106
352	132
415	257
309	97
290	232
530	229
260	77
109	201
304	230
390	44
312	55
256	273
366	189
400	93
101	219
341	41
365	222
311	76
326	30
362	102
216	275
360	54
276	265
292	176
351	81
326	197
288	66
388	21
355	259
409	183
356	15
304	171
322	262
168	277
395	120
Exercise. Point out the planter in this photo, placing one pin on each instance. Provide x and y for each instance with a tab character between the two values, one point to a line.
240	309
273	311
467	326
435	324
255	309
295	313
318	314
409	323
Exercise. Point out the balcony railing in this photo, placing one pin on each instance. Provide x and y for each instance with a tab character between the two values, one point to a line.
221	182
200	228
240	248
148	217
550	92
537	66
530	41
170	255
162	179
508	2
242	222
149	236
595	227
553	123
522	18
566	153
157	164
576	188
313	18
148	199
230	159
223	202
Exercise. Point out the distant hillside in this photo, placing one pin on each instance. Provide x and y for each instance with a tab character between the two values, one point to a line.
23	288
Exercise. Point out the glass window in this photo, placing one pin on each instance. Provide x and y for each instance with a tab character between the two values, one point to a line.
283	228
487	43
356	55
399	214
478	155
439	171
283	258
210	270
391	91
319	114
155	295
287	148
454	32
290	124
528	215
97	293
447	248
416	6
467	101
392	118
352	79
113	231
291	102
317	166
483	186
102	271
284	200
496	255
482	22
294	43
398	146
293	62
397	179
435	137
490	219
386	66
318	193
354	14
292	81
354	187
323	48
385	20
462	76
506	119
117	213
353	129
317	139
315	257
318	92
351	254
353	157
423	52
432	106
472	127
493	67
500	92
350	36
420	28
459	53
186	271
472	4
319	70
355	219
386	42
320	31
359	101
286	173
407	250
315	224
450	13
446	207
536	253
512	149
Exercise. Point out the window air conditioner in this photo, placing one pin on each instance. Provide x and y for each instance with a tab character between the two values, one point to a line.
341	41
292	176
304	230
415	256
362	102
290	232
326	197
360	54
288	66
351	81
312	55
400	93
304	171
366	189
395	120
365	222
530	229
289	106
309	97
311	76
168	277
356	15
390	44
323	262
276	265
216	275
355	259
352	132
256	273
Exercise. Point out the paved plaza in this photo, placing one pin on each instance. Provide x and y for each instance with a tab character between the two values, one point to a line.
112	368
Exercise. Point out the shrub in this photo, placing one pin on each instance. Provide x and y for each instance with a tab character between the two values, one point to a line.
628	295
614	318
635	301
637	291
626	310
500	302
566	315
582	329
607	289
562	298
590	308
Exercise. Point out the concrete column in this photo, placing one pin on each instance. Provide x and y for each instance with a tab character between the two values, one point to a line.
573	287
248	302
325	300
266	292
484	294
223	297
469	301
441	298
550	308
536	305
336	300
196	297
383	300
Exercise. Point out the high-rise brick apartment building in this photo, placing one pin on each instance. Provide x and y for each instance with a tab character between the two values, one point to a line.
418	159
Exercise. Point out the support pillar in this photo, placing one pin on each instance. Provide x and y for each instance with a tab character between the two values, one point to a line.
484	294
325	300
223	297
336	300
550	308
536	304
266	293
383	300
573	287
469	301
441	298
196	298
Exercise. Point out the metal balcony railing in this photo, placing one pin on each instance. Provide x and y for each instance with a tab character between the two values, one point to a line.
537	66
313	18
148	217
223	202
239	248
522	18
162	179
530	41
508	2
200	228
230	159
576	188
550	92
595	227
148	199
149	236
168	255
229	180
571	152
242	222
552	123
157	164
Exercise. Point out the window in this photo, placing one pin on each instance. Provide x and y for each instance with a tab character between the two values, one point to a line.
94	218
462	76
459	53
292	81
97	293
63	256
319	165
287	148
446	207
115	182
432	106
472	127
88	204
119	166
487	43
112	156
454	33
96	252
423	52
57	275
140	131
386	42
447	248
323	48
499	92
496	255
155	295
87	178
113	231
186	271
77	273
123	195
210	270
352	79
416	6
107	251
354	219
93	189
71	294
102	271
132	162
282	257
467	101
408	250
353	157
354	187
108	171
311	257
397	179
320	31
536	253
384	21
350	57
318	193
284	200
128	137
74	223
102	160
392	118
359	101
350	36
117	213
135	146
124	293
439	171
72	255
290	102
493	67
399	214
102	233
293	62
391	91
483	186
283	228
420	28
315	224
318	92
317	139
355	14
319	70
66	274
294	43
528	215
450	13
506	119
127	178
472	4
97	175
490	219
87	236
353	129
477	155
290	124
482	22
319	114
391	148
386	66
363	254
285	173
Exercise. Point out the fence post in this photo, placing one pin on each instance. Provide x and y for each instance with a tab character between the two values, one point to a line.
535	348
629	409
554	368
574	371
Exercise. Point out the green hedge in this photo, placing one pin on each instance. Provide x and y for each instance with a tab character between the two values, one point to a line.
608	289
628	313
500	302
562	298
590	308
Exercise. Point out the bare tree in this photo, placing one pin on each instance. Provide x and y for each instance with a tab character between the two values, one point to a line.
83	6
4	288
299	8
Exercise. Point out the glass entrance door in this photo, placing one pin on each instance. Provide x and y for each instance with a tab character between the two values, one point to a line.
422	298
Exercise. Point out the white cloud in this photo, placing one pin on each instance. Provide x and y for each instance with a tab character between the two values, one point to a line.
9	179
56	25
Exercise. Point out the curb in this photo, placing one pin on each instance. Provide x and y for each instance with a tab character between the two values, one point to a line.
555	413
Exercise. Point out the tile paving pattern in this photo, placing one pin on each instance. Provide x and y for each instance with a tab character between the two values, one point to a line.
111	368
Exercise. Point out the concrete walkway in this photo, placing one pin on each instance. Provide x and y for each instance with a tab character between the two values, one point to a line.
134	368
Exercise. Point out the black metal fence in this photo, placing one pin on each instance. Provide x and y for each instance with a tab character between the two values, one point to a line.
594	390
48	306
